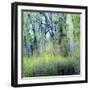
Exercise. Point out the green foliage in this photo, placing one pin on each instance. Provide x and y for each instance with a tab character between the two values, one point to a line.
51	44
48	65
76	24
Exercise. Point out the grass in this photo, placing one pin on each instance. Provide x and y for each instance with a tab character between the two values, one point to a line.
50	65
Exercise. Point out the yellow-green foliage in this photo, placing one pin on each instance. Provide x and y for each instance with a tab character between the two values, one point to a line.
51	44
48	65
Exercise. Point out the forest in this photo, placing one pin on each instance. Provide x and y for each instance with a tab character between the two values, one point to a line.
51	43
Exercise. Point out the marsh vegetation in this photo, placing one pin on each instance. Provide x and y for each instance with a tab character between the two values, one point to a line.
51	43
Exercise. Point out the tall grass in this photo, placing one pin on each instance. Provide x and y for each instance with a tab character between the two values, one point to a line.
50	65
